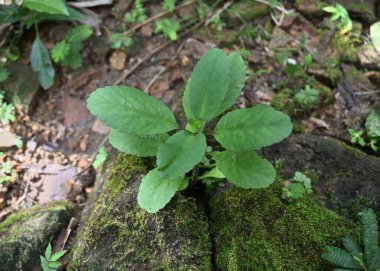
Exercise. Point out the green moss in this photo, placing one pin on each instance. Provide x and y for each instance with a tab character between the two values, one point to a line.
9	227
120	236
256	230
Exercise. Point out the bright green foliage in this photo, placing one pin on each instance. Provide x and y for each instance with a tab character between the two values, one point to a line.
68	50
137	14
4	74
6	111
118	41
308	96
245	169
168	5
100	158
140	125
7	172
257	127
49	262
155	191
51	6
130	110
356	137
374	32
299	186
143	146
41	63
180	153
168	27
340	13
355	257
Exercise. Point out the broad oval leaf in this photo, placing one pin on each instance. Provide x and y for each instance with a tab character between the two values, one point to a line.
180	153
130	110
375	35
136	145
237	72
155	191
246	170
48	6
252	128
41	63
207	86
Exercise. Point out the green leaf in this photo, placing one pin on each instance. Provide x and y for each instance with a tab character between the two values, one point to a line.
375	35
180	153
74	15
340	258
252	128
74	58
370	236
353	247
207	86
100	158
372	124
246	170
237	71
213	173
130	110
135	144
48	252
79	33
298	190
50	6
41	63
330	9
56	256
155	191
4	74
44	264
54	264
60	51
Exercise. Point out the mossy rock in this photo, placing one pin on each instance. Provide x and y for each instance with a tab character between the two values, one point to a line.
257	230
25	234
118	235
346	179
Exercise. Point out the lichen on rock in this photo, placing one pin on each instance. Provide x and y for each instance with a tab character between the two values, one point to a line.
119	235
24	235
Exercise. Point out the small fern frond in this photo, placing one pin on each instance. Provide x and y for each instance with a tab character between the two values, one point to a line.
370	236
60	51
339	257
79	33
4	74
74	60
353	246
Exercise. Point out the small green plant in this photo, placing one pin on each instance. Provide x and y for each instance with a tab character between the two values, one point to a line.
31	13
7	172
49	262
340	13
356	137
307	97
168	5
168	27
137	14
68	51
298	187
372	131
100	158
120	41
7	111
140	126
217	22
357	255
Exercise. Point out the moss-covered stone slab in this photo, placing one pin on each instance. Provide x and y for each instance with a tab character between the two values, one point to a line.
257	230
25	234
118	235
345	177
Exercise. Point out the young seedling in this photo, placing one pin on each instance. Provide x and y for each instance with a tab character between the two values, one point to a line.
68	50
100	158
307	97
49	262
137	14
143	126
168	27
298	187
355	256
340	13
